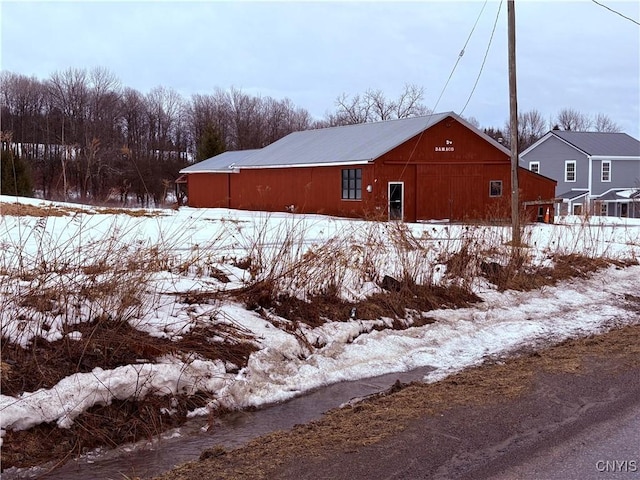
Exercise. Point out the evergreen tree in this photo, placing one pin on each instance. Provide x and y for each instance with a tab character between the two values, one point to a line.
210	144
15	177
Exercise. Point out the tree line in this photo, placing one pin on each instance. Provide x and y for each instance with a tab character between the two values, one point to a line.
83	135
80	134
532	126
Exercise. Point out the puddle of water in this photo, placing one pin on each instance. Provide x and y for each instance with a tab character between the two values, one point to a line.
230	431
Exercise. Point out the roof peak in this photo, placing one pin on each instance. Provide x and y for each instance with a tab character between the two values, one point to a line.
589	132
434	114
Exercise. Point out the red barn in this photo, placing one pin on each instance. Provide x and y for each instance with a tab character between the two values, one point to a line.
420	168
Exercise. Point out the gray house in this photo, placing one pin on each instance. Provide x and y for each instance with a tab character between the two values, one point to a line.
597	172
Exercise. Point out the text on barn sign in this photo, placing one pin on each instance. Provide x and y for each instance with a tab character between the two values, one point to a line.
447	148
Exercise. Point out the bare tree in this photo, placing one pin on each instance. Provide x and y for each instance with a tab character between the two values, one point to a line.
166	144
22	109
602	123
203	116
69	91
570	119
473	121
352	110
373	106
409	103
102	135
531	127
281	117
243	121
135	147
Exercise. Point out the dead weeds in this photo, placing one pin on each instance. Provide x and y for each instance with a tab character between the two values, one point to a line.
519	276
22	210
394	303
108	345
122	421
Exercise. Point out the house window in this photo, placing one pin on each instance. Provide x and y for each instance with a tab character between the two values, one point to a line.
534	167
352	184
624	210
495	188
606	171
570	171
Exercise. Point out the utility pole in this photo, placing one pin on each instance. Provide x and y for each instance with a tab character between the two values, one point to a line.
513	124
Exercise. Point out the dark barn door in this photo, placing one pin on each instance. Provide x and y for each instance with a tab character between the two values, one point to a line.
396	200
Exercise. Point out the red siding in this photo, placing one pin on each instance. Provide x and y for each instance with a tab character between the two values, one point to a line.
538	189
208	189
307	189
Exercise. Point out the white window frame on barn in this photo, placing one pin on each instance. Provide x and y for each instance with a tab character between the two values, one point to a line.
495	188
351	184
569	174
534	167
605	174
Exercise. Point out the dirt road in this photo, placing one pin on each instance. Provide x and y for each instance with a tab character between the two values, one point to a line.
525	417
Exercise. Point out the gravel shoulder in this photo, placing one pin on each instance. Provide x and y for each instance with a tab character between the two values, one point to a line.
479	423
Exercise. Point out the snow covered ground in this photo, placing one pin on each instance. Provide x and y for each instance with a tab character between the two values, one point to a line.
193	246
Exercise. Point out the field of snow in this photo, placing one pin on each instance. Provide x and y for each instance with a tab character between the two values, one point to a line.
160	257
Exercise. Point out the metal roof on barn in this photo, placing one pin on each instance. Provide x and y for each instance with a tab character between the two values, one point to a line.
220	163
601	143
347	144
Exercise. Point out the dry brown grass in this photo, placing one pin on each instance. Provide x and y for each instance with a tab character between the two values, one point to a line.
525	277
123	421
19	210
108	344
319	309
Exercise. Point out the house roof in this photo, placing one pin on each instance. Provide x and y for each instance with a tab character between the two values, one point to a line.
630	194
347	144
603	144
572	194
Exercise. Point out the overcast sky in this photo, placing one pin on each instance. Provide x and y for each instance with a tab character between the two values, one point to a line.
570	54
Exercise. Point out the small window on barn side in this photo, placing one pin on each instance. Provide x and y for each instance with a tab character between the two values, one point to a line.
352	184
495	188
534	167
570	171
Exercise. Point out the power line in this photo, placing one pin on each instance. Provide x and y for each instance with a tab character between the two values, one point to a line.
445	87
616	12
459	57
486	53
